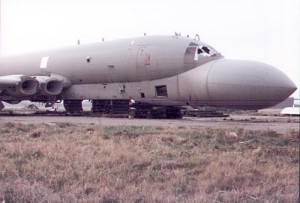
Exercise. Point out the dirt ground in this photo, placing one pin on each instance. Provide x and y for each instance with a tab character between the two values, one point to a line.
279	124
59	158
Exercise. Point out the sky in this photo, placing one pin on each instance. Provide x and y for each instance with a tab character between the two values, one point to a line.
260	30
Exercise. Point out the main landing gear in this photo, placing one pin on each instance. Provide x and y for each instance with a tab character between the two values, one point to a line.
73	106
143	110
110	107
121	108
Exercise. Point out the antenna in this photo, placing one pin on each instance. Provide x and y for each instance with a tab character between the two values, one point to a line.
197	37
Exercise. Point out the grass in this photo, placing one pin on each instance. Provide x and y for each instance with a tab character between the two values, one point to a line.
67	162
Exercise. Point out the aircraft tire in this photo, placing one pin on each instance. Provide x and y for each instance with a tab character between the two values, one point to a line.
73	106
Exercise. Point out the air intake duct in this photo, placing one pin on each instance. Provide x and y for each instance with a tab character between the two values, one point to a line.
19	85
51	85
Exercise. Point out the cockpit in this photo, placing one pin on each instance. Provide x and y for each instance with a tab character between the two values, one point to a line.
198	53
201	50
205	51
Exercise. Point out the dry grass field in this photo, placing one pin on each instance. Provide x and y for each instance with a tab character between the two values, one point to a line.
65	162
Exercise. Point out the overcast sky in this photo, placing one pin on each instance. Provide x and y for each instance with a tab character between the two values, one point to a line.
262	30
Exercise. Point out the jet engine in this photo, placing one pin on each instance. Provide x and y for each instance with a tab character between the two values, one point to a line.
19	85
51	85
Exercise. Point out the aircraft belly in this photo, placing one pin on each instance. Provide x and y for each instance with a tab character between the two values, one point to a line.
133	90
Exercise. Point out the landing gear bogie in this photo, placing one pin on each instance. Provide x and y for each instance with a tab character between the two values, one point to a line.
73	106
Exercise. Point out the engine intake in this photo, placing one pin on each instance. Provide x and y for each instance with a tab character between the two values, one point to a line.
24	86
28	86
19	85
51	85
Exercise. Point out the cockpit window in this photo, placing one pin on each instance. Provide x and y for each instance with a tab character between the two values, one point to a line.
197	50
190	50
193	44
207	50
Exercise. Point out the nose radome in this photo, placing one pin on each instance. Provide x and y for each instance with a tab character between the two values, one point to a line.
247	84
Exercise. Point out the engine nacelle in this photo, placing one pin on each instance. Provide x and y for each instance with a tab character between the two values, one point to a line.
19	85
51	85
28	86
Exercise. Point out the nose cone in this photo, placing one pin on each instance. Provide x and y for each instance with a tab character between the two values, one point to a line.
247	84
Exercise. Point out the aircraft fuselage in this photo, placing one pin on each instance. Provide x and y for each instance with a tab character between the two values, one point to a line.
158	70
